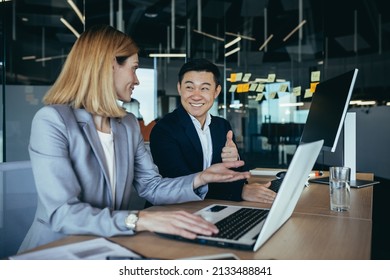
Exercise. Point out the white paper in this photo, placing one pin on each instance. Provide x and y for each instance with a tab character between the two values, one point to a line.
95	249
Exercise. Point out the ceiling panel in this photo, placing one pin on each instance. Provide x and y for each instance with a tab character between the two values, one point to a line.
331	22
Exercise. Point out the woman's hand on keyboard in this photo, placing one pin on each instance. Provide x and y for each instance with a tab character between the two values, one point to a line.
180	223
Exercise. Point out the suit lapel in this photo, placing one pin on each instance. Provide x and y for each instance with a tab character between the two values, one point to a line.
85	122
190	131
121	144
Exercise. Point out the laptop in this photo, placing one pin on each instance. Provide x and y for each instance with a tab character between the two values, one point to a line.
263	223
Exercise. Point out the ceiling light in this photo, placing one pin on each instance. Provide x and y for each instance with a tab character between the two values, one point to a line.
209	35
167	55
242	36
29	57
232	52
70	27
362	103
266	42
294	30
50	58
151	12
354	102
291	104
151	15
77	11
232	42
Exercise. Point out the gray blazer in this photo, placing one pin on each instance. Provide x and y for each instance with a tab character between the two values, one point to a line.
71	177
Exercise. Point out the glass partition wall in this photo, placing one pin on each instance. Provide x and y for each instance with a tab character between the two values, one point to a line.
271	54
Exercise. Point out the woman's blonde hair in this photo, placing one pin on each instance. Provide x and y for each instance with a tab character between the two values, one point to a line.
86	80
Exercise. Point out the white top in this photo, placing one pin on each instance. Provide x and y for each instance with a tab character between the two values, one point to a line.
107	140
205	139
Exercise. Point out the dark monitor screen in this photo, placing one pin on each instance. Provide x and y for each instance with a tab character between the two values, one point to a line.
328	109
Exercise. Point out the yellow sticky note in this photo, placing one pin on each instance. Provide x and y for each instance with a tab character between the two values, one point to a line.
259	96
283	88
271	78
308	93
260	88
245	87
232	88
297	91
313	87
242	88
233	77
252	87
315	76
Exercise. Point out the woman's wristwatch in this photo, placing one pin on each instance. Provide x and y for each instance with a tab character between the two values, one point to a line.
131	220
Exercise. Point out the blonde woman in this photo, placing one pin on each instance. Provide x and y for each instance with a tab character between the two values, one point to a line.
86	152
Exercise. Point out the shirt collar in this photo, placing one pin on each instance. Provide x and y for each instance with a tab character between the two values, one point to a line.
197	123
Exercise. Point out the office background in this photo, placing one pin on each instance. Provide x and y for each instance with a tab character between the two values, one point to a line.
290	39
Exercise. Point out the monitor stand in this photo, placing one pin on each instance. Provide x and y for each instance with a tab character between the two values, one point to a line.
349	154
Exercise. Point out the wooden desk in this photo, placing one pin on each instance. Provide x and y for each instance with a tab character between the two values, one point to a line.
312	232
302	237
315	199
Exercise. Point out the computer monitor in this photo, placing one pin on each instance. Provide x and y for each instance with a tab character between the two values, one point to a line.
328	110
328	116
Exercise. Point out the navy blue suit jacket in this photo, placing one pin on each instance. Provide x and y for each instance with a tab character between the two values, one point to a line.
177	151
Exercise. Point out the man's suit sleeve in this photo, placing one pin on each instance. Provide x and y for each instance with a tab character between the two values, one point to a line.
167	154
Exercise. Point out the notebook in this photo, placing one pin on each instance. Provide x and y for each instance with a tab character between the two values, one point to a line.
263	223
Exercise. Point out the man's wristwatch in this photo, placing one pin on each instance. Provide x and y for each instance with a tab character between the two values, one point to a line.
131	220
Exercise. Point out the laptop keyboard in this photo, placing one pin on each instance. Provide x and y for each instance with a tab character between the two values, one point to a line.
240	222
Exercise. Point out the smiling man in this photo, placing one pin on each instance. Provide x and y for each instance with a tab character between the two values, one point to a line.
190	139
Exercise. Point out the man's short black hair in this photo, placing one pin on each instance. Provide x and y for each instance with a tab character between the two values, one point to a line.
199	65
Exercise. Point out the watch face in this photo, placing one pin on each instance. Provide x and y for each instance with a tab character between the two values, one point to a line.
131	220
